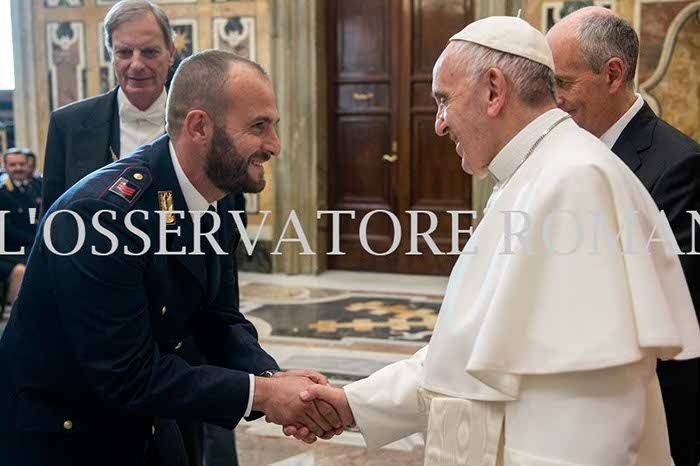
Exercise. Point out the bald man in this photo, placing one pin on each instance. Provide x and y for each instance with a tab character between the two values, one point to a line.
595	57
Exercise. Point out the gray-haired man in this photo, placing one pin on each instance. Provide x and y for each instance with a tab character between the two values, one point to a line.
88	134
595	56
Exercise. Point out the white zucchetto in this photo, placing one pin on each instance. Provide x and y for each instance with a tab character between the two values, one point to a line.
511	35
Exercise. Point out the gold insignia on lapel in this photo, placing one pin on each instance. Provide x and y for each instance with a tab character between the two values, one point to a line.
165	201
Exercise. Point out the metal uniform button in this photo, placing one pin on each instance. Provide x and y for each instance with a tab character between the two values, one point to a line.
163	311
68	424
177	347
138	176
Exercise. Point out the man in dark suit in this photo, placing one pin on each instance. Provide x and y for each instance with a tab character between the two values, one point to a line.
89	134
90	357
16	199
595	56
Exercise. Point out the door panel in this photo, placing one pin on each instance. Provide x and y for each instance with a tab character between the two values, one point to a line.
363	35
381	73
365	180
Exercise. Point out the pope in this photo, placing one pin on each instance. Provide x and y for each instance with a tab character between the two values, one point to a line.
546	344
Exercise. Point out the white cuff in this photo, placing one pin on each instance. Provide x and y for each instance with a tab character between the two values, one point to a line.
251	393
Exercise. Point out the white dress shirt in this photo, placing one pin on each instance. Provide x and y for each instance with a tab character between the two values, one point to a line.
137	127
196	202
611	136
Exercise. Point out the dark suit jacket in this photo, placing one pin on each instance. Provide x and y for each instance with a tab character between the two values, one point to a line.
79	140
668	164
95	339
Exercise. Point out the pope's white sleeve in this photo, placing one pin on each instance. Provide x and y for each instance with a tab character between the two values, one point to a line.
605	417
385	405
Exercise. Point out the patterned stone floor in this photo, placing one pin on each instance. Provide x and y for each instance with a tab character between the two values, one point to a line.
270	451
346	325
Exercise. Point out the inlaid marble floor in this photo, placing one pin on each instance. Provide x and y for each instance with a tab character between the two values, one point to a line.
346	325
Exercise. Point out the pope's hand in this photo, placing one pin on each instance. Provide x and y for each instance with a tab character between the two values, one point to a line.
335	397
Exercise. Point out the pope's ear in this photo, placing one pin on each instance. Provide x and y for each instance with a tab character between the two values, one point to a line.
497	88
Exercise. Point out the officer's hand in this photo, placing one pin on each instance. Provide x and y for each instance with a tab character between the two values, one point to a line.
310	374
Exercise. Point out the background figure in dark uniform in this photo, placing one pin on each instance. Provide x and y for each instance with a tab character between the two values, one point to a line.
595	56
89	134
34	182
100	330
17	197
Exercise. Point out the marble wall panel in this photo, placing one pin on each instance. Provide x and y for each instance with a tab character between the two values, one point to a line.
554	11
62	3
235	34
107	78
677	94
65	48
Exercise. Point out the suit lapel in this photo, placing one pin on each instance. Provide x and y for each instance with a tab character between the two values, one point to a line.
624	149
636	137
97	132
166	180
115	138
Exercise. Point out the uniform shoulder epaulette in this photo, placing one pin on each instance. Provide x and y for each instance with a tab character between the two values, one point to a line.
7	183
128	186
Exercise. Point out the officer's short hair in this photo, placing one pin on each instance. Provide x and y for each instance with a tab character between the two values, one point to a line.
200	83
128	10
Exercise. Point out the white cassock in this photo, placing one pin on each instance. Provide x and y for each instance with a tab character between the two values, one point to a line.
547	358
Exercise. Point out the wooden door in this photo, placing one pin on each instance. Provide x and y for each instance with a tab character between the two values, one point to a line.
384	154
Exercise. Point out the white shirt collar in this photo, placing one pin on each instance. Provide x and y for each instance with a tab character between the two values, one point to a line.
154	114
610	137
193	198
513	154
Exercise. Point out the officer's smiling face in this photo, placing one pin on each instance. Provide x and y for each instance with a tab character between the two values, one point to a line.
16	166
245	138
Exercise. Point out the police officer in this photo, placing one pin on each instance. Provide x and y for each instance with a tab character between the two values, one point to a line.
33	180
21	204
92	347
87	135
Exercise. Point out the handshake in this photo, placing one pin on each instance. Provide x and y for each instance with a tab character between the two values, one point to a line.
303	403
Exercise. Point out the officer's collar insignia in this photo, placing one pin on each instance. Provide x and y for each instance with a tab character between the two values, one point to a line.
165	202
125	189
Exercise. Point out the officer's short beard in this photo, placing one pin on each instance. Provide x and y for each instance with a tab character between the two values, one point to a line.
227	168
